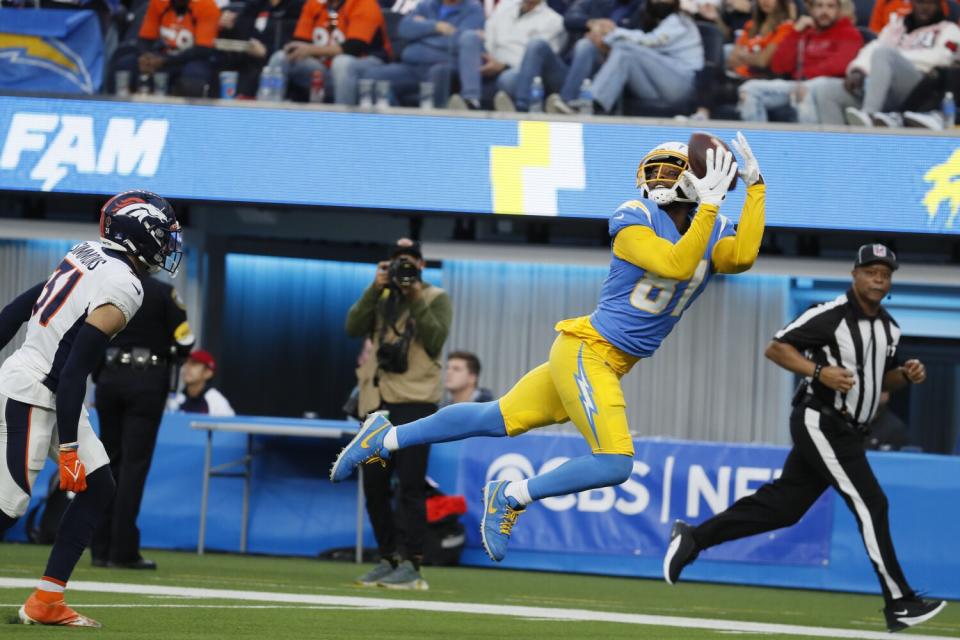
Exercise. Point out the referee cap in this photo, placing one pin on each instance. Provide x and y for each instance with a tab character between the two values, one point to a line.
871	253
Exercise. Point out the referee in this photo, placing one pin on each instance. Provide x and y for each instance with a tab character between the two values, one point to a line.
131	394
846	349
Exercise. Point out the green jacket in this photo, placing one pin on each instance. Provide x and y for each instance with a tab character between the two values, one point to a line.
433	320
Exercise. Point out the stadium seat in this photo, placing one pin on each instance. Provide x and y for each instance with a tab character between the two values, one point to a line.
863	9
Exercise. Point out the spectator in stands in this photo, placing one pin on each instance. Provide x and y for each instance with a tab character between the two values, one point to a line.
490	58
821	44
177	38
770	24
883	10
342	39
198	395
896	63
736	14
586	22
707	11
886	10
750	56
657	62
431	34
922	108
462	379
267	25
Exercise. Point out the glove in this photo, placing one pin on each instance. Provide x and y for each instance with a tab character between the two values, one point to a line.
712	187
73	475
751	169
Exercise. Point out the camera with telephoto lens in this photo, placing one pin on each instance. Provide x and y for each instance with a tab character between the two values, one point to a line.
403	272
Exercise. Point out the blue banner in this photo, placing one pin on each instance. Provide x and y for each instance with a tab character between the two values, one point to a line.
50	50
884	181
671	480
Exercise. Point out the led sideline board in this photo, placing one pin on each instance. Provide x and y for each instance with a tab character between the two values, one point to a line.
892	182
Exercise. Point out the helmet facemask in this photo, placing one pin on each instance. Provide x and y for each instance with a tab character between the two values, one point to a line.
659	173
169	252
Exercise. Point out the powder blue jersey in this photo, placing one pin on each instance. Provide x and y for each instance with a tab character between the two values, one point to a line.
638	308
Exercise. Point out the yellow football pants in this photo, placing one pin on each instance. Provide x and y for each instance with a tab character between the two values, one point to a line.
575	384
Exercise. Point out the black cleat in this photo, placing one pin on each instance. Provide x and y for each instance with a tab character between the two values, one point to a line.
907	612
140	563
681	552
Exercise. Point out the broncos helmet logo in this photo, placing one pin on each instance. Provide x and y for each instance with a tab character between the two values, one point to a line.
141	211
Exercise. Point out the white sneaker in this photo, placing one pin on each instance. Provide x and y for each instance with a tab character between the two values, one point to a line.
555	104
503	102
929	120
857	117
892	119
459	103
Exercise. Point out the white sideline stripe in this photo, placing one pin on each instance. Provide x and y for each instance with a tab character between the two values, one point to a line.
316	607
540	613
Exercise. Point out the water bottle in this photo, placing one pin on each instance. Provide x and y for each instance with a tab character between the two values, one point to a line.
536	95
277	86
263	90
948	109
586	97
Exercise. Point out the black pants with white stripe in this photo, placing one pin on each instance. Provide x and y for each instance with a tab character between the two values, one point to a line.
825	453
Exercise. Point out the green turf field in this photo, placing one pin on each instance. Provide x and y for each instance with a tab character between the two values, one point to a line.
173	614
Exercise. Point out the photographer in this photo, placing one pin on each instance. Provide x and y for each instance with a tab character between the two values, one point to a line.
408	321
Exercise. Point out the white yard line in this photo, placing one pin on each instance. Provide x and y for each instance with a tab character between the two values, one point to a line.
143	605
539	613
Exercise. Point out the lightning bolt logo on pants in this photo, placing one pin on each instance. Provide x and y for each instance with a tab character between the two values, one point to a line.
586	395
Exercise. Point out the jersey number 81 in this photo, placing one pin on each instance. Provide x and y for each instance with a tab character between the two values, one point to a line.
653	293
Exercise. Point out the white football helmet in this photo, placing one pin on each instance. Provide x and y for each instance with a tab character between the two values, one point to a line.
652	178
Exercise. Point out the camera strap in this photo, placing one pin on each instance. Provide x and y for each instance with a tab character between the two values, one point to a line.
391	313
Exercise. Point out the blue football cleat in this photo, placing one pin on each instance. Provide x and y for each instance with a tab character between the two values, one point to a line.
499	516
366	446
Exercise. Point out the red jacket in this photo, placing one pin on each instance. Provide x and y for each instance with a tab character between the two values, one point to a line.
825	53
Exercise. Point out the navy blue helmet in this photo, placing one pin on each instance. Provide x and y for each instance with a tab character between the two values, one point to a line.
145	226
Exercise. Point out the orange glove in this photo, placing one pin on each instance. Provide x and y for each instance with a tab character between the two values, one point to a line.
73	476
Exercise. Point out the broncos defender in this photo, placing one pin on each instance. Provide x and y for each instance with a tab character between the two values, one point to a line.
663	255
89	298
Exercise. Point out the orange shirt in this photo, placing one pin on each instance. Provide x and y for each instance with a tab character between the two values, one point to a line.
883	9
196	27
355	20
760	41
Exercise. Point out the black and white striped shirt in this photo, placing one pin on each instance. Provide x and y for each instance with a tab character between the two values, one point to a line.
838	333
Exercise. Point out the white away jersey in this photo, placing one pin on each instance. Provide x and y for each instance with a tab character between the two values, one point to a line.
85	279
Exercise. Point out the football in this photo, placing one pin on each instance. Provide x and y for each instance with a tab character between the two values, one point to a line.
697	147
